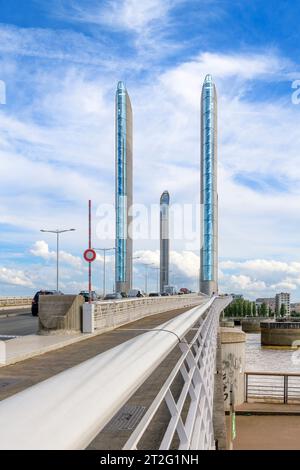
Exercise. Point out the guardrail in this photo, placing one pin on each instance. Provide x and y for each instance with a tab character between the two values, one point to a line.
111	314
14	301
272	387
191	415
68	410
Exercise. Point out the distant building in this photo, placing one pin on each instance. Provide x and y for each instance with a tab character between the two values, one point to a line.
295	307
283	299
269	301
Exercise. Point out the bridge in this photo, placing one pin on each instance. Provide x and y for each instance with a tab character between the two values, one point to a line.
149	378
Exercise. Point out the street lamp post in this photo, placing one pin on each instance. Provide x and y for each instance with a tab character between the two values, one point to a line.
58	232
104	250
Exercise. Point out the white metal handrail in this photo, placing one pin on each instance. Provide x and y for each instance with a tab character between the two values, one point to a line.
68	410
197	368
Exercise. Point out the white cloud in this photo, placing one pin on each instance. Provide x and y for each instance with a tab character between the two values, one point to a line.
41	249
15	277
246	283
62	145
133	15
262	266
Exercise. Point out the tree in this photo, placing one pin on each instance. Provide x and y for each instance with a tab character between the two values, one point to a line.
282	310
263	310
270	311
249	308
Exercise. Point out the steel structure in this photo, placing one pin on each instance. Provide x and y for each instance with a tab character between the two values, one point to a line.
123	194
208	192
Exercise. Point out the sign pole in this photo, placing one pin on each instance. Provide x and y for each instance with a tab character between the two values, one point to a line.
90	254
90	246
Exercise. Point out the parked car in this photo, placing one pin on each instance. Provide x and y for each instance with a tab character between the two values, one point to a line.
86	295
135	293
113	296
164	294
154	294
35	300
184	290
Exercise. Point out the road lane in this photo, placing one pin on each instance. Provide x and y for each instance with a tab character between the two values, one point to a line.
18	325
14	311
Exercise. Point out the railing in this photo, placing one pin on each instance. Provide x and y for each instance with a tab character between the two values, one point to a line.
14	301
68	410
272	387
111	314
191	414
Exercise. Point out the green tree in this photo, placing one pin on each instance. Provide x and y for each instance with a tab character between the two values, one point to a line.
282	310
270	312
263	310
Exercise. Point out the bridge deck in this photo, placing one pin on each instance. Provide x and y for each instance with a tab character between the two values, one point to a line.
17	377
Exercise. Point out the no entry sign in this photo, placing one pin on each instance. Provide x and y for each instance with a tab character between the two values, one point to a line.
89	255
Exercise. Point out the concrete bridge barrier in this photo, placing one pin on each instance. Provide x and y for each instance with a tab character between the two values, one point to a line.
60	313
108	315
15	301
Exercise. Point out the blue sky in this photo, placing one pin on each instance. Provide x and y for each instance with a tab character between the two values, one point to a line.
61	60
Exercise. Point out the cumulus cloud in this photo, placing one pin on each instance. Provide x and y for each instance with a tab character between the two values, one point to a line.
15	277
262	266
41	249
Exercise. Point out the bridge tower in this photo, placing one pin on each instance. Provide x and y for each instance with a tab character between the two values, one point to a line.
208	189
123	194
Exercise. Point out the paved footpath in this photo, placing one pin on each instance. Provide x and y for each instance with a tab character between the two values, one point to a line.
267	432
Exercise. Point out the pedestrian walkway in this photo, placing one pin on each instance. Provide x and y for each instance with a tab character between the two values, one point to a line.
19	376
268	409
272	432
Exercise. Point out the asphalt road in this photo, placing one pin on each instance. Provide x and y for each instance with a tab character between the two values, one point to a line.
18	325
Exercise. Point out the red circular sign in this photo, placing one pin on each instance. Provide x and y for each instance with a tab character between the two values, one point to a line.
89	255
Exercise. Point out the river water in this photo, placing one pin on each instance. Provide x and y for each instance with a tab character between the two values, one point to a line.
262	359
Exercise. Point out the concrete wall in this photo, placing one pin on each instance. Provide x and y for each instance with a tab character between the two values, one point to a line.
15	301
60	313
251	325
279	333
109	315
233	364
227	323
220	432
